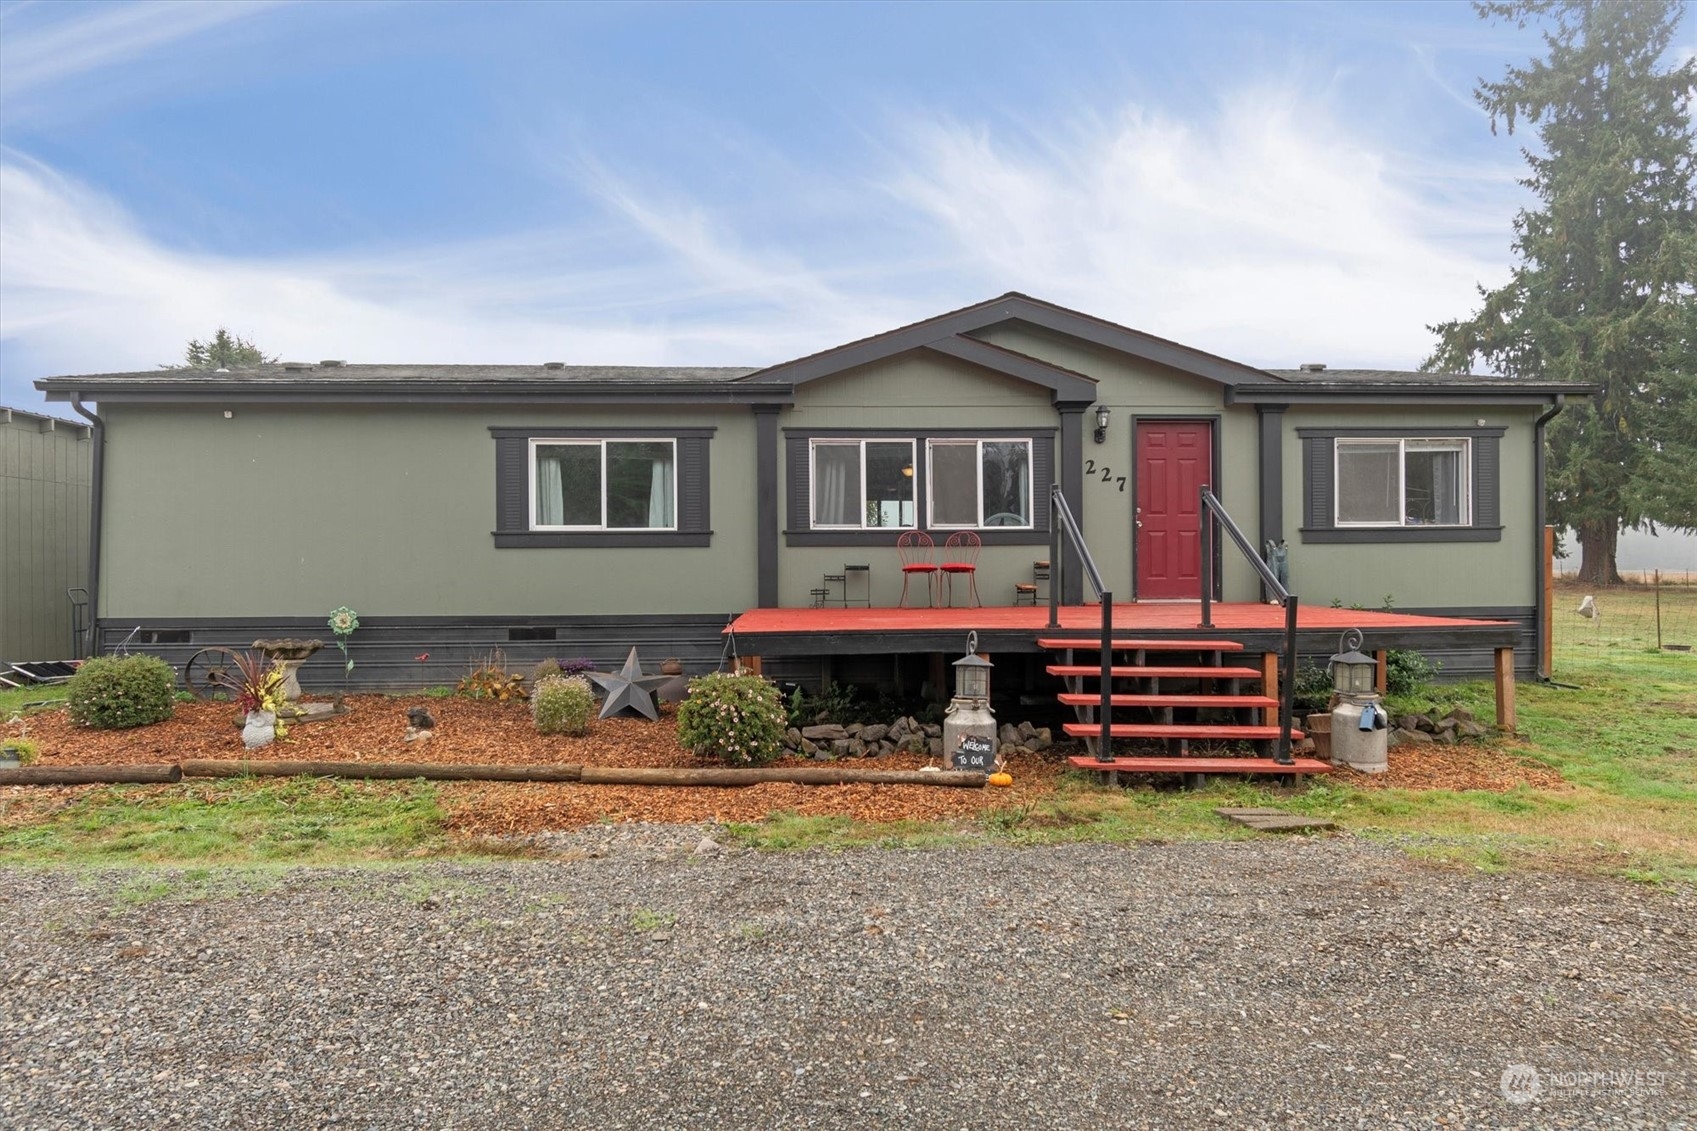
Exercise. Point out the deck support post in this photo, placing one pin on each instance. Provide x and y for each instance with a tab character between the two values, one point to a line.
1270	686
749	665
1106	749
1505	689
1382	661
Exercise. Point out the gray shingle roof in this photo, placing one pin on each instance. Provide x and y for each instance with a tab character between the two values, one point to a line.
290	373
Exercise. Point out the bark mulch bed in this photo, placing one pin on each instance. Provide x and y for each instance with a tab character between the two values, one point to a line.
482	731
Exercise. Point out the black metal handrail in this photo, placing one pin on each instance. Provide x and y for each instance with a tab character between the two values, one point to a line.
1061	520
1213	511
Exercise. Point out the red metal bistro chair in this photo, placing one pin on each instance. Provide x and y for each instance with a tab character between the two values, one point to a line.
960	555
915	548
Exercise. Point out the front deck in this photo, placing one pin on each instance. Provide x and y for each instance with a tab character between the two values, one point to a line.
1002	628
805	633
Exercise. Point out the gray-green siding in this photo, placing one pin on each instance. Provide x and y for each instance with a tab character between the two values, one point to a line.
283	511
44	529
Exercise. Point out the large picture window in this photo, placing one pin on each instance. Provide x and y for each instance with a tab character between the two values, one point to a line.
601	487
1393	485
863	484
603	484
980	483
1402	482
854	487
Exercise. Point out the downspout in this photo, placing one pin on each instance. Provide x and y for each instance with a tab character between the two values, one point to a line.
96	501
1540	613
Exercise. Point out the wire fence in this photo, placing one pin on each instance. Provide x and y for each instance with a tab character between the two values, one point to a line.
1659	613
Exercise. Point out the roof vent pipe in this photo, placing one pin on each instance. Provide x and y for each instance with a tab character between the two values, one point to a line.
1312	367
553	365
331	363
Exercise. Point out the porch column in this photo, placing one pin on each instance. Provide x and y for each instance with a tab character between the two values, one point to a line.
1270	418
766	504
1071	476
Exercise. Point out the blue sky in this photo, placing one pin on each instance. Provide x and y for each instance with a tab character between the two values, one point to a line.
737	184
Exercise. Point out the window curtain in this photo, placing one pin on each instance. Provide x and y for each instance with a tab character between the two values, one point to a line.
836	484
1446	487
660	492
550	488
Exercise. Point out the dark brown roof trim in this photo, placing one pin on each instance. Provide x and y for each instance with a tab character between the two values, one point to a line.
389	392
1011	307
1417	392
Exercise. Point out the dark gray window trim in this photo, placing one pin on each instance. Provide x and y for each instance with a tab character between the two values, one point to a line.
1319	488
512	491
797	484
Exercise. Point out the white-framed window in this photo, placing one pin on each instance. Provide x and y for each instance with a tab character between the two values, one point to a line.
589	484
862	485
979	483
1390	481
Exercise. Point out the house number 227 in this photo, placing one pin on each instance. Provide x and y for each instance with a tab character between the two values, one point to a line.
1108	475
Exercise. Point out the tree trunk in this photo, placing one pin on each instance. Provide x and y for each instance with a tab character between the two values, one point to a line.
1597	552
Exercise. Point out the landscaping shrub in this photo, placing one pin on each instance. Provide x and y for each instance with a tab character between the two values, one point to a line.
738	719
118	692
1313	691
492	680
1407	672
562	705
543	670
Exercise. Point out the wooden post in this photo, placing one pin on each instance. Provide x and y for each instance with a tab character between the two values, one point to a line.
1270	686
940	690
1382	659
1547	633
750	665
1505	689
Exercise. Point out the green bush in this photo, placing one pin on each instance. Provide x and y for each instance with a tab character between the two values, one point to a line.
1407	672
562	705
117	692
543	670
738	719
1313	691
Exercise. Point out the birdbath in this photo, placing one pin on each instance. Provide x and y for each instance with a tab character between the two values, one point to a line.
289	655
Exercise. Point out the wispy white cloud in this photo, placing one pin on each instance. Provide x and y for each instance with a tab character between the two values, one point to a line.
1264	231
35	55
1261	229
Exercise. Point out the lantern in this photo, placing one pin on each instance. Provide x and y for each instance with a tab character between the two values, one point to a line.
972	673
1353	673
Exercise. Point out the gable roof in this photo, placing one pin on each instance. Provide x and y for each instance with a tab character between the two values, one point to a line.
950	334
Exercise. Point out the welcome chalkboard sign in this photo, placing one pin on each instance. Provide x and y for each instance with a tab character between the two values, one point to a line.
975	753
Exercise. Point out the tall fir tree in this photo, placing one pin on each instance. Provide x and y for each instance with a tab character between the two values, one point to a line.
1603	291
224	351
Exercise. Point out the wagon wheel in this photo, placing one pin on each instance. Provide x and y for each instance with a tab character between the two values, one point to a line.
204	669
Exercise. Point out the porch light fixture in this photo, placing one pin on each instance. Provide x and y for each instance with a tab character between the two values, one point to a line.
972	673
907	470
1353	673
1101	424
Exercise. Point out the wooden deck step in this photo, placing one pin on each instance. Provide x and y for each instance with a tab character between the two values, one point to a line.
1150	672
1299	766
1070	699
1176	645
1178	730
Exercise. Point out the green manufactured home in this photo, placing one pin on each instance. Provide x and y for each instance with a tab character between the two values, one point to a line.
575	510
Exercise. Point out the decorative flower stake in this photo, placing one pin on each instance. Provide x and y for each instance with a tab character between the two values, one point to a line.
343	621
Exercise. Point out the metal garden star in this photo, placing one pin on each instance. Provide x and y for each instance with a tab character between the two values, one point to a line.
628	689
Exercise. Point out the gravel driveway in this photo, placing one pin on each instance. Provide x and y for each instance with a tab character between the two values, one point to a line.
632	983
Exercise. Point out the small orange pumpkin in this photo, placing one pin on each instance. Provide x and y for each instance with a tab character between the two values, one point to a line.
1001	777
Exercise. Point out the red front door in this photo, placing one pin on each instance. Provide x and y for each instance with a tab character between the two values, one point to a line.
1175	459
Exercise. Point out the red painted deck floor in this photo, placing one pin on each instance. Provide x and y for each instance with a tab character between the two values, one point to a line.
1128	619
